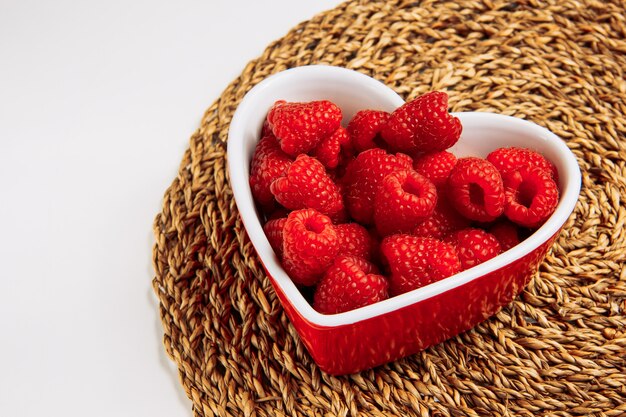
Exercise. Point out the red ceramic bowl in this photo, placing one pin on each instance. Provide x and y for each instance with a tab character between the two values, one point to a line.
402	325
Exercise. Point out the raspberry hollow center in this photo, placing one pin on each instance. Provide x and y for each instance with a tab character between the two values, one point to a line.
315	225
410	186
476	195
526	193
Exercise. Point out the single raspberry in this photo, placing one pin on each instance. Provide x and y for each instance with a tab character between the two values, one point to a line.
350	283
444	220
417	261
475	189
423	125
355	240
300	127
474	246
507	233
266	130
436	166
363	177
307	185
531	196
404	199
509	159
328	152
274	232
268	163
309	246
365	127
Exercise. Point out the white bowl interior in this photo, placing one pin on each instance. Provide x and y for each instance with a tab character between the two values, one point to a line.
353	91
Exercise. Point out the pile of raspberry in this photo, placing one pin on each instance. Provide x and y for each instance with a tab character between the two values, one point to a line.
380	207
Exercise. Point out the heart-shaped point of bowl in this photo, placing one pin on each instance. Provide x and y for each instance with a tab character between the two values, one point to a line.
372	335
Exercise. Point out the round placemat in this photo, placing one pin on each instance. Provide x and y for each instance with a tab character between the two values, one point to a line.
558	349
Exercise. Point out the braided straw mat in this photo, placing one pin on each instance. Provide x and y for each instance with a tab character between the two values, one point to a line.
559	349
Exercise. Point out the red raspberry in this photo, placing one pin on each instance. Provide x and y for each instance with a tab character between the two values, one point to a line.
509	159
475	189
365	127
507	233
423	125
404	199
266	130
274	232
355	240
307	185
363	177
417	261
442	222
268	163
436	166
328	152
474	246
350	283
300	127
531	196
309	246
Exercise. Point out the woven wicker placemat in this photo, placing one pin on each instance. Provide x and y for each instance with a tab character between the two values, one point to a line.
559	349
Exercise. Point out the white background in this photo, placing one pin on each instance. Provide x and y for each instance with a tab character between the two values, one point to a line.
97	102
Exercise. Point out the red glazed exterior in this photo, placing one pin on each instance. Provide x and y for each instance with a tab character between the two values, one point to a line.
375	341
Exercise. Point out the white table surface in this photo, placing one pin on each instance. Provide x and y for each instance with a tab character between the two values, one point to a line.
97	103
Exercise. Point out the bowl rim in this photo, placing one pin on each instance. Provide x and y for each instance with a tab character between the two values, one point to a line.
570	179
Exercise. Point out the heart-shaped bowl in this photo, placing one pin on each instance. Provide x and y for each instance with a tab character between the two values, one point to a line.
402	325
